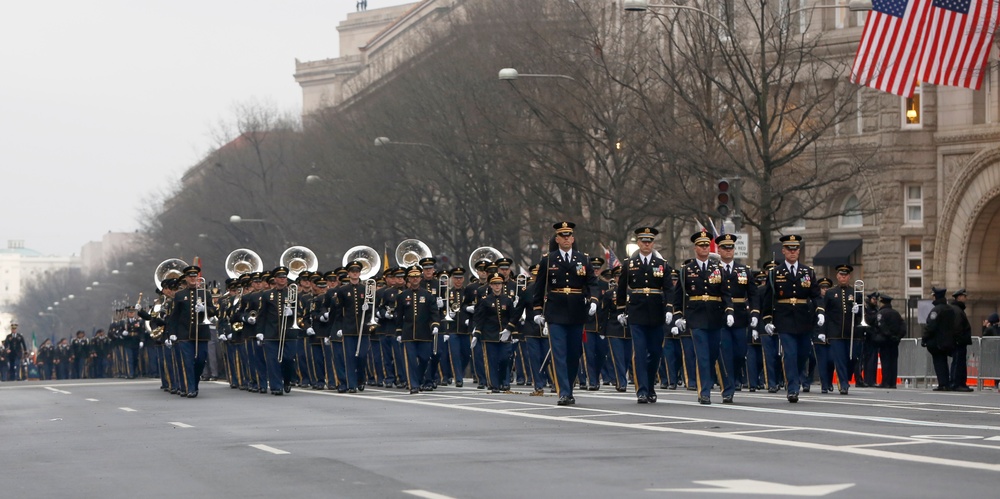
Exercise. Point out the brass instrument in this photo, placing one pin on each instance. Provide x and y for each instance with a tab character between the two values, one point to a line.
859	298
243	261
371	263
168	269
202	288
299	259
410	252
484	253
290	301
369	300
444	290
520	284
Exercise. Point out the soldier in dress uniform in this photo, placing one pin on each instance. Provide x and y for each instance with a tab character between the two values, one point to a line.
44	360
392	356
755	354
350	311
701	307
192	334
15	349
316	334
564	300
275	315
645	294
459	340
81	352
419	319
821	346
61	361
473	293
494	326
843	327
535	345
131	333
672	371
738	280
794	295
595	349
333	345
616	334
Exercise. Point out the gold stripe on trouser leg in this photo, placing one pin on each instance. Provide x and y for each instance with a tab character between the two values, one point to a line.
486	364
583	362
406	365
697	371
529	377
635	370
684	364
719	369
614	365
163	365
184	378
333	362
553	372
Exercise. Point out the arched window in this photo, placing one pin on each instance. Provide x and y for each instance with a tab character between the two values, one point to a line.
851	216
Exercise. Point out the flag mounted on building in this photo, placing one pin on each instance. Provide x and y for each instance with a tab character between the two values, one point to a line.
889	55
957	41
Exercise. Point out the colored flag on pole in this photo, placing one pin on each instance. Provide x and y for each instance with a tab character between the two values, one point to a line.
610	258
385	259
891	49
957	41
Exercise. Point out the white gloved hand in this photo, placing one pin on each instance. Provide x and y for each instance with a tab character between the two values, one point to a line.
326	341
753	322
325	317
472	344
288	311
593	308
755	334
168	343
821	337
199	307
434	330
516	299
375	320
364	307
669	317
681	325
389	315
446	337
173	337
310	331
399	339
470	309
769	329
141	344
545	332
539	319
622	319
674	331
222	337
440	302
340	333
856	308
820	320
466	322
730	320
260	336
514	341
601	336
251	320
505	335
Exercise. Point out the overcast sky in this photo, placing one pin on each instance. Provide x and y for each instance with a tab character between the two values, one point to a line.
103	103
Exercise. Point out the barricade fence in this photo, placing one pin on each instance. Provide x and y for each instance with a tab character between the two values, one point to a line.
982	359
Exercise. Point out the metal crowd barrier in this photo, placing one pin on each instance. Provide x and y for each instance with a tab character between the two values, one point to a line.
982	358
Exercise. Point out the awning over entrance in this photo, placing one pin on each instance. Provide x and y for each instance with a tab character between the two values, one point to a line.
836	252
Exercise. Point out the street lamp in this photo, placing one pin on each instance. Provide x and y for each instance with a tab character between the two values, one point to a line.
384	141
236	219
510	74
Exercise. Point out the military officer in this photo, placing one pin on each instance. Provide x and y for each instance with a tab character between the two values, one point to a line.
745	312
192	333
535	345
564	300
460	341
350	312
494	325
842	329
419	320
644	300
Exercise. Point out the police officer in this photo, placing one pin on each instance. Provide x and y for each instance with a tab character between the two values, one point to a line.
890	330
564	301
940	335
959	367
645	303
796	307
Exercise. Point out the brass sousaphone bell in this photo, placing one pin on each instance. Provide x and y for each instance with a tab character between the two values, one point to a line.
168	269
299	259
243	261
371	263
410	252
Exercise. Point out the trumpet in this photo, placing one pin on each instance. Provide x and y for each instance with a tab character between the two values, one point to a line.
444	290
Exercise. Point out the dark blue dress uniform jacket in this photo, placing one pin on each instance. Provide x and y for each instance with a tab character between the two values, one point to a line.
418	315
702	298
739	282
795	299
188	323
494	313
564	291
838	303
645	292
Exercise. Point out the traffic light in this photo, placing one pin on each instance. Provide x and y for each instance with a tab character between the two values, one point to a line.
724	198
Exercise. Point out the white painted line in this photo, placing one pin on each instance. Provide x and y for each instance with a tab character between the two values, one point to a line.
748	432
759	487
268	448
91	400
56	390
128	409
180	425
426	495
887	444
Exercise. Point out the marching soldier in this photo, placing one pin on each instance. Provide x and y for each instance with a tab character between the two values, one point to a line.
459	339
349	312
190	311
616	334
15	349
645	293
795	300
595	349
419	319
821	346
564	301
275	315
535	345
843	327
473	293
61	360
738	281
131	333
333	345
80	348
494	325
45	360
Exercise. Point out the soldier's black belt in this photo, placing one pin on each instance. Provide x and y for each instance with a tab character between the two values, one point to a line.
705	298
646	291
567	291
794	301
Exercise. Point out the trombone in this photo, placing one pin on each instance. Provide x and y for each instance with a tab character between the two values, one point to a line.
859	298
444	290
369	300
291	301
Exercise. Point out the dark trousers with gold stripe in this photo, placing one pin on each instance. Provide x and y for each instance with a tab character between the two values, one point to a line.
707	344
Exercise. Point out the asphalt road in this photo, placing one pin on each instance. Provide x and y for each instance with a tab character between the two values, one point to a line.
113	438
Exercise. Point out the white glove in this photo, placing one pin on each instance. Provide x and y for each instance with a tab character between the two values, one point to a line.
674	331
375	320
820	320
856	308
753	322
446	337
434	330
505	335
769	329
141	344
440	302
251	320
326	341
472	344
821	337
199	307
310	331
601	336
173	337
545	332
399	339
681	325
539	319
730	320
364	307
222	337
389	315
514	341
168	343
470	309
669	317
516	298
622	319
466	322
755	334
288	310
340	333
260	336
325	317
593	308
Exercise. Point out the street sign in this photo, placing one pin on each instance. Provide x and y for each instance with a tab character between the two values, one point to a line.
742	246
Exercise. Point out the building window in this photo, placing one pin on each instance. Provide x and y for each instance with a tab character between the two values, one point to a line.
914	269
913	110
913	208
851	215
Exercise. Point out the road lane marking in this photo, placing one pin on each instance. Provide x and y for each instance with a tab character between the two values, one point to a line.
180	425
748	432
56	390
759	487
426	495
888	444
128	409
268	448
91	400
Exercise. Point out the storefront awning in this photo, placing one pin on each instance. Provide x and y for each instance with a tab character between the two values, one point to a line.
836	252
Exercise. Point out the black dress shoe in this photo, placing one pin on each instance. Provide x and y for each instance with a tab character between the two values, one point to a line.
459	384
494	390
704	401
753	389
572	400
481	387
642	399
234	386
664	386
793	397
962	388
341	390
727	400
843	391
772	390
805	388
940	388
288	388
352	390
621	388
563	401
193	394
824	391
671	387
651	397
594	388
414	391
361	388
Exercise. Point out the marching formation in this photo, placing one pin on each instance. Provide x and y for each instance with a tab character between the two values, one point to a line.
709	324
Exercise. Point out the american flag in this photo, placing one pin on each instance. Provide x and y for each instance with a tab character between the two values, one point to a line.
957	41
610	258
890	50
